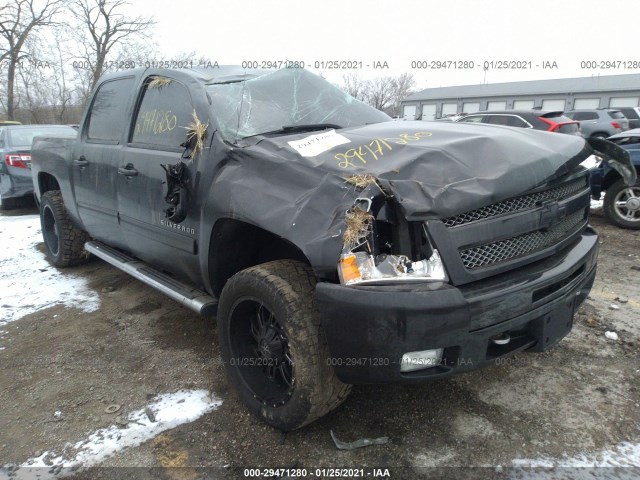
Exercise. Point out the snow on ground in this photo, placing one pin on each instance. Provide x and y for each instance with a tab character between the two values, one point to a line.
28	282
625	454
622	461
169	411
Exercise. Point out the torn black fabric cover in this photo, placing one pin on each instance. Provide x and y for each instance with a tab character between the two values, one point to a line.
434	169
457	168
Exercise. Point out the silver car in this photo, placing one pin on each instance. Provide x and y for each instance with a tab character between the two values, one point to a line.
599	122
15	167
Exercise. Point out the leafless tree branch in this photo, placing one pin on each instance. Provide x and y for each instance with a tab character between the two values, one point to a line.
18	21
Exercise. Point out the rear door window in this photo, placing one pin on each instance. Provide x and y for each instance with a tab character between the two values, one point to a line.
508	120
108	113
164	113
579	116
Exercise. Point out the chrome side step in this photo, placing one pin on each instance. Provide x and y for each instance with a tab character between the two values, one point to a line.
197	300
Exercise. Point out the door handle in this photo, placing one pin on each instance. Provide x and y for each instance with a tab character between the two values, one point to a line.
128	170
81	162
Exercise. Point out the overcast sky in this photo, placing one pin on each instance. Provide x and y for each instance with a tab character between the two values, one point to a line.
401	31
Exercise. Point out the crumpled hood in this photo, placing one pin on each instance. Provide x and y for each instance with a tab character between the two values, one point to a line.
434	169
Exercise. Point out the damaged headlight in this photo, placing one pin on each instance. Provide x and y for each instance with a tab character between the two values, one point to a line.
361	267
368	255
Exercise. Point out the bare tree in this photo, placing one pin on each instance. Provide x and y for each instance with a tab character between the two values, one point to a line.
403	86
103	29
18	21
380	92
354	85
45	92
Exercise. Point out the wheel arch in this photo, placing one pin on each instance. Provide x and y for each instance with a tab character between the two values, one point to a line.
47	182
235	245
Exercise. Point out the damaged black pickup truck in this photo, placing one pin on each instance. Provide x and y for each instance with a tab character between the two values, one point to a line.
334	246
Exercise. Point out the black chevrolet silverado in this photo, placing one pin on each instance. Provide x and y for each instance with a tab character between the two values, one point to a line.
334	246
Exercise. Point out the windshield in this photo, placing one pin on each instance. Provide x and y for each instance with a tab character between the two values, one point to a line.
287	97
23	136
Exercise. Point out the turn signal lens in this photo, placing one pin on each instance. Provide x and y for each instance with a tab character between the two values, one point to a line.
349	271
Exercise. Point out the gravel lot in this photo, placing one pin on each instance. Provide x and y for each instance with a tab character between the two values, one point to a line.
108	356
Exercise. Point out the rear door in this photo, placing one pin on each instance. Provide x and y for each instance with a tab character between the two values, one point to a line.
96	156
588	121
163	111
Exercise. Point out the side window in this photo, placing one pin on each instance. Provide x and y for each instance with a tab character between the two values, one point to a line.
472	119
516	122
579	116
109	110
164	112
498	119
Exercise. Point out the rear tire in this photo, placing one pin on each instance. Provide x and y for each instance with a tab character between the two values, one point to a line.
622	204
64	242
273	347
600	135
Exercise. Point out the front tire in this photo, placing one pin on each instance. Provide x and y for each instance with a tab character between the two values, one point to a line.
622	204
64	242
273	347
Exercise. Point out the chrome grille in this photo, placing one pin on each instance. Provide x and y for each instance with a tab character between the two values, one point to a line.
493	253
518	203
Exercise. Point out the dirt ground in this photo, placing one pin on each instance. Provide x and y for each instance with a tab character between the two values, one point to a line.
578	400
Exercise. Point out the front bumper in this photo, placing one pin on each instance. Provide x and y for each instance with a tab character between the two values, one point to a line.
369	328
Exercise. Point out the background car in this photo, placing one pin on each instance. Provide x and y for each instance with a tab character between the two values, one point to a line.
15	152
599	122
621	203
538	119
633	114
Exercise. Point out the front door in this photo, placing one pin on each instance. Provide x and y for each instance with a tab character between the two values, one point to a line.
164	112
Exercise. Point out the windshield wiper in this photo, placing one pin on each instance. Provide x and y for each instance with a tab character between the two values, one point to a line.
309	127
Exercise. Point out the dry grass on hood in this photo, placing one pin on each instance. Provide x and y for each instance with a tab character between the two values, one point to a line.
358	226
361	181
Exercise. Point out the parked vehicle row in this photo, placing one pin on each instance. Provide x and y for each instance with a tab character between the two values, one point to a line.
597	122
537	119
